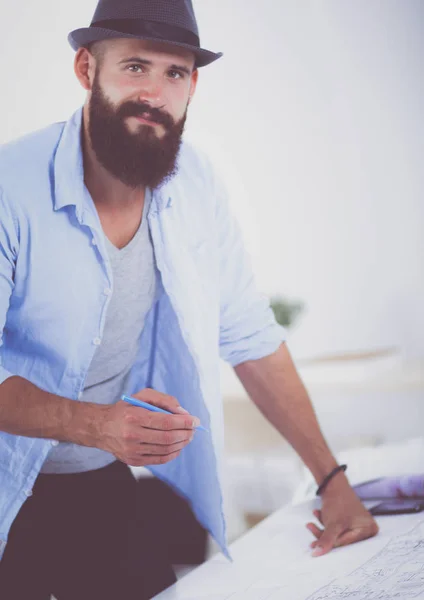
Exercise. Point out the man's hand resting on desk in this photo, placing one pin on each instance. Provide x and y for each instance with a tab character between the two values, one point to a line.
344	518
276	388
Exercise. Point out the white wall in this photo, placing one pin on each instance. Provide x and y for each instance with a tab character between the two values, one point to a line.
315	115
321	104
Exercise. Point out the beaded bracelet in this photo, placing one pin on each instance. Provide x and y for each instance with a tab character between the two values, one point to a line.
329	478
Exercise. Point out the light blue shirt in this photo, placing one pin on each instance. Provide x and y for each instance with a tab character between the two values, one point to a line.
55	282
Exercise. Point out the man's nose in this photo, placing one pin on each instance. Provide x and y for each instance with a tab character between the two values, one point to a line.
152	92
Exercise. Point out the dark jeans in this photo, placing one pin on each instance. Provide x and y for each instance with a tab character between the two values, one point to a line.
84	537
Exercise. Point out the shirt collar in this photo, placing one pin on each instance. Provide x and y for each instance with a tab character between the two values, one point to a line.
69	186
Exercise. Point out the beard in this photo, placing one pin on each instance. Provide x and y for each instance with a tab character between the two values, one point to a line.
139	159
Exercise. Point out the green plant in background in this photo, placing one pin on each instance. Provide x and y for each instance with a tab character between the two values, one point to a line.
286	311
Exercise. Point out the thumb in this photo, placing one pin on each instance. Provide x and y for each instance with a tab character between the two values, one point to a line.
328	540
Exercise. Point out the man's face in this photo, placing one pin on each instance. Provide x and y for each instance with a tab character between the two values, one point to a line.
138	107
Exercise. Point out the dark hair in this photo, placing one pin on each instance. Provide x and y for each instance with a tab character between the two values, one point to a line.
97	49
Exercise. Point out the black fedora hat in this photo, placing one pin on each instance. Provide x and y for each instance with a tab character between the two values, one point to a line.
170	21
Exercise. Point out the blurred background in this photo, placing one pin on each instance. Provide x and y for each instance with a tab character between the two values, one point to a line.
314	118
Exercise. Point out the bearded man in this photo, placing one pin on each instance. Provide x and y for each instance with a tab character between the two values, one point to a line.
122	272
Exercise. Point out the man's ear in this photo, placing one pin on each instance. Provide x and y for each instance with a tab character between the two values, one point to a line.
84	67
193	84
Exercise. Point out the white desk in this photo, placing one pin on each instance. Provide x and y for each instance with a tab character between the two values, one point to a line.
273	562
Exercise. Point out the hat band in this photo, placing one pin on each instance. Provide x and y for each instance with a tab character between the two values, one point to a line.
162	31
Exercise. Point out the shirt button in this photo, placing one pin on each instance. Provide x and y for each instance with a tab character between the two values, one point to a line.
55	443
28	493
80	395
107	291
93	242
97	341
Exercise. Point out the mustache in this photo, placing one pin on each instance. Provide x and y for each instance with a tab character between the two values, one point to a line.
141	109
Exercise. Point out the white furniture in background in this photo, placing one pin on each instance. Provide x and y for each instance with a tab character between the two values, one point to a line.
378	395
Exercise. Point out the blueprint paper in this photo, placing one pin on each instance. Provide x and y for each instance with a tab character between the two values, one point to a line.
273	562
395	572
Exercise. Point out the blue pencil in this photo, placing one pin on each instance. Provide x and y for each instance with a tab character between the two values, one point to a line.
152	408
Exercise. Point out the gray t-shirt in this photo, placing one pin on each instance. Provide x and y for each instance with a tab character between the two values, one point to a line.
134	292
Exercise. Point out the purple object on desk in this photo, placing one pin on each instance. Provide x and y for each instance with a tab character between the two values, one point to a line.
402	486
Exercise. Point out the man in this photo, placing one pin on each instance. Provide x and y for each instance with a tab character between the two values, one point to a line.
122	271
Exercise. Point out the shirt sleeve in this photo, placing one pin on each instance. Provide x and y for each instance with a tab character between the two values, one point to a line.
248	329
8	253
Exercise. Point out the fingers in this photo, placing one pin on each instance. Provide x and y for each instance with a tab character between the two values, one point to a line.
358	534
135	416
158	437
350	537
163	422
341	533
147	460
138	454
141	442
160	400
335	537
327	540
139	437
149	450
316	531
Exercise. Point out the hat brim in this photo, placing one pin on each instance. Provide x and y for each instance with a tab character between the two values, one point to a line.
87	35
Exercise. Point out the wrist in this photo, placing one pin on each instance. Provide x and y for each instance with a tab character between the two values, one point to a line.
83	425
329	478
336	486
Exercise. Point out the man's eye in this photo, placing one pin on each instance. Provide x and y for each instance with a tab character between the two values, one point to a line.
175	75
135	68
